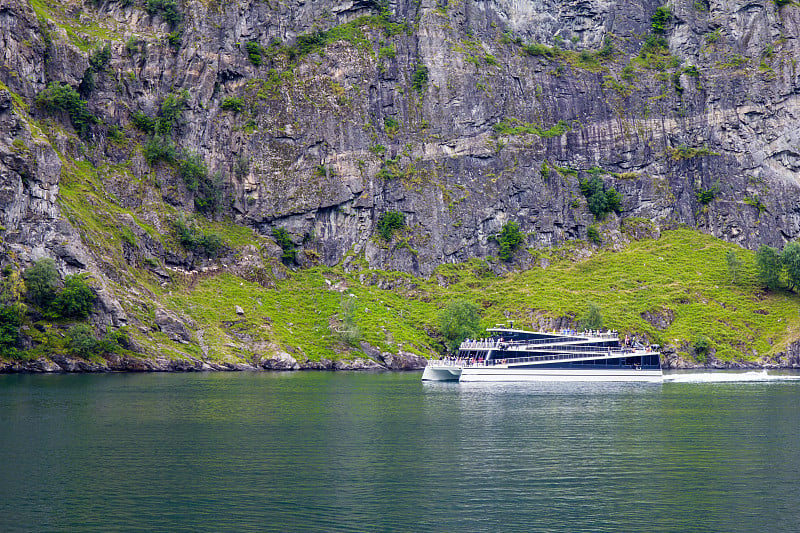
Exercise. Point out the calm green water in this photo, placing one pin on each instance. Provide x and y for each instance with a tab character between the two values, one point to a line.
321	451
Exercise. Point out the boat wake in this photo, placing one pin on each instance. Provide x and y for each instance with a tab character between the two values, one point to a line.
721	377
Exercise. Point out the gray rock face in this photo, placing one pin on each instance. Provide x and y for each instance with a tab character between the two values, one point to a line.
302	155
280	361
172	326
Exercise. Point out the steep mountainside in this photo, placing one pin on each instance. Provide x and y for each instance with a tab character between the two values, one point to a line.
134	133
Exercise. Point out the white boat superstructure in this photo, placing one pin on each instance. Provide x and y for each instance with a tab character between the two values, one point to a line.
519	355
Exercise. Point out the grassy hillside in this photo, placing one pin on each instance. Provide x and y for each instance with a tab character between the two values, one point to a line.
681	275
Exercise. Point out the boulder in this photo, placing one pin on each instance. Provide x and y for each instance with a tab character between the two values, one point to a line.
171	325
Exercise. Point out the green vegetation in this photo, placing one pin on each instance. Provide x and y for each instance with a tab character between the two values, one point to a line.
774	266
232	103
62	97
514	126
254	53
459	320
97	63
166	9
10	321
208	198
419	79
170	111
510	239
389	222
592	318
351	32
159	148
593	234
768	264
683	273
75	300
192	169
391	125
655	55
734	264
661	19
705	196
82	341
701	347
194	239
714	36
350	332
41	281
284	240
601	201
390	169
536	49
682	152
387	52
790	259
756	202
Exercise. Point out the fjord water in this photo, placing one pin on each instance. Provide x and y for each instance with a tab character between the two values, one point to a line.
318	451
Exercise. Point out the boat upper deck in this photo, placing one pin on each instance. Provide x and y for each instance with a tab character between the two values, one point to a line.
524	341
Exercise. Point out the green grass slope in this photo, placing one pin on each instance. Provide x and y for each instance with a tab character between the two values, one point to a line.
681	276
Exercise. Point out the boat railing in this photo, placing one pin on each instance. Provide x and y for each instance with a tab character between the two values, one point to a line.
497	343
473	361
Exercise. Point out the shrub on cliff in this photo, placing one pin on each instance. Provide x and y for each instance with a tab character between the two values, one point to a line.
209	196
58	97
660	19
510	239
600	200
194	239
350	332
254	53
10	321
82	342
790	259
419	79
159	148
41	281
287	245
167	9
768	266
75	300
192	169
389	222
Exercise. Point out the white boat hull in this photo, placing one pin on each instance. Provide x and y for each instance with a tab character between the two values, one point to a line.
502	373
499	374
441	373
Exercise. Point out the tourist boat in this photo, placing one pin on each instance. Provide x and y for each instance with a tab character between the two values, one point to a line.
518	355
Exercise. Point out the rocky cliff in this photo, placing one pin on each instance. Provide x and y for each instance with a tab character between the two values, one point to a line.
318	117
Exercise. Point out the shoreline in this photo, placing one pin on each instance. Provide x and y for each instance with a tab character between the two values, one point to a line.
285	363
279	363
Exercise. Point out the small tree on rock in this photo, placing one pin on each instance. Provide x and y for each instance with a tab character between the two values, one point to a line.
510	239
733	264
350	332
40	281
768	265
75	300
593	318
459	320
790	259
